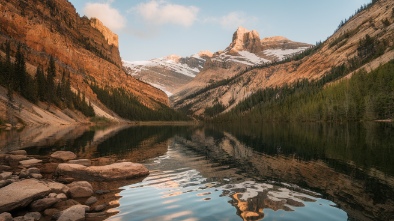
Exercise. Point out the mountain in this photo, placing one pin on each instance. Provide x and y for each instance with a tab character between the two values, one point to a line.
84	50
173	73
365	41
245	51
168	73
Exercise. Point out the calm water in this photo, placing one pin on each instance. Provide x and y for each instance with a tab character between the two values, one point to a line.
249	172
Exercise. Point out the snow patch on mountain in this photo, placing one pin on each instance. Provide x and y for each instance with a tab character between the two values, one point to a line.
166	62
283	53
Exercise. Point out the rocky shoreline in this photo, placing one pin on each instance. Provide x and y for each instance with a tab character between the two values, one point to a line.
62	187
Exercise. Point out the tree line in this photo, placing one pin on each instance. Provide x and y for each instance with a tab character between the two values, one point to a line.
43	86
129	107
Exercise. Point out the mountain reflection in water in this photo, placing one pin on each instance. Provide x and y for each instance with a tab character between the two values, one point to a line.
250	172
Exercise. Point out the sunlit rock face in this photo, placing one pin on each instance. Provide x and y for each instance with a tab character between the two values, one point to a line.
82	47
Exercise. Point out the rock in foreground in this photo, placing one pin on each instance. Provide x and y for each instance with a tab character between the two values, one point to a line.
116	171
21	193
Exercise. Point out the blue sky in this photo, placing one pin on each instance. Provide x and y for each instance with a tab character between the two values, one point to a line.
155	28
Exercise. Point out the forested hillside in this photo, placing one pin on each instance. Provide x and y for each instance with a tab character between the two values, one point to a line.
365	96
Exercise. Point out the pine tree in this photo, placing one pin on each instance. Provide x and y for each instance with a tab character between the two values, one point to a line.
51	74
41	84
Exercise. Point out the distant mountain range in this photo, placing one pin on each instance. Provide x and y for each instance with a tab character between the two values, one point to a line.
246	49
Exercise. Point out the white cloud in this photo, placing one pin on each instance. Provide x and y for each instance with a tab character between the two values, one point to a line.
233	20
162	12
106	14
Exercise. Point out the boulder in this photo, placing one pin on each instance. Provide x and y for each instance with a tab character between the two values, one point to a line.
99	208
58	187
84	162
74	213
92	200
22	193
4	168
33	215
42	204
52	212
18	152
13	160
36	176
116	171
33	170
62	205
5	175
5	217
52	195
80	189
29	163
61	196
63	156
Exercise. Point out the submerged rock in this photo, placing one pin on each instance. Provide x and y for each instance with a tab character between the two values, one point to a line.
21	193
116	171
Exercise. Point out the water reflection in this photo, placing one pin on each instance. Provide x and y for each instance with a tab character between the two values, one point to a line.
249	172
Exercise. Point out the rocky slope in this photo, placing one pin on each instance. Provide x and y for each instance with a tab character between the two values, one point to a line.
173	73
376	21
81	46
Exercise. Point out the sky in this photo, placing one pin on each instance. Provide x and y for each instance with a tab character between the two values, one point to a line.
150	29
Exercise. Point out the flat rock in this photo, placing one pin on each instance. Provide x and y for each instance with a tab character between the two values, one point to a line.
22	193
42	204
5	175
84	162
4	183
18	152
116	171
29	163
74	213
5	217
63	156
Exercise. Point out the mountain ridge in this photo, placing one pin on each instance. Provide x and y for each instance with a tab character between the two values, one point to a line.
173	73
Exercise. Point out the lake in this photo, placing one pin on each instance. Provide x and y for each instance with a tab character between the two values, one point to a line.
243	172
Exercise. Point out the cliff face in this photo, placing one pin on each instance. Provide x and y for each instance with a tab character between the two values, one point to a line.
377	21
84	47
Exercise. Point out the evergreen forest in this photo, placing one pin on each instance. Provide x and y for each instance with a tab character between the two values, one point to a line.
43	86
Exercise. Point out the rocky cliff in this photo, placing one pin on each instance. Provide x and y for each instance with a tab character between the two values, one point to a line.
83	47
377	21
